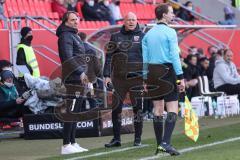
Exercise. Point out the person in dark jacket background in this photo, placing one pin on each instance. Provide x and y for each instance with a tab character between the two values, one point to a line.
191	74
127	41
106	14
70	48
96	69
87	47
186	14
212	52
204	67
90	11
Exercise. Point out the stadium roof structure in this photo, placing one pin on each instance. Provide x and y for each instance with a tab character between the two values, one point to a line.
102	36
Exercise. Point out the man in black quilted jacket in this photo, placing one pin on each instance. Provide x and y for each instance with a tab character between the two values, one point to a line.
127	41
71	51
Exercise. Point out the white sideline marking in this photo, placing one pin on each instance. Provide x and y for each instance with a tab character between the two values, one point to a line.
106	153
193	148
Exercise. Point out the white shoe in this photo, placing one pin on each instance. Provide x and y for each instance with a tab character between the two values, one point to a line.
68	149
79	148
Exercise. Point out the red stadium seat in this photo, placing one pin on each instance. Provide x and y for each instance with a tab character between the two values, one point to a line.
14	3
82	24
58	22
126	1
55	15
1	24
91	25
47	6
50	15
79	9
35	25
42	6
98	24
8	4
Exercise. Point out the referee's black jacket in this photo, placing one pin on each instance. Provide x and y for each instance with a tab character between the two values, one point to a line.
121	41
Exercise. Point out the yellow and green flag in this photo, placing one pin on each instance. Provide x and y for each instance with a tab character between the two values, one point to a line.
191	121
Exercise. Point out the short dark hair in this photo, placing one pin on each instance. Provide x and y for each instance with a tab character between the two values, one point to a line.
190	48
66	16
220	52
190	56
210	47
226	50
203	59
161	9
200	50
187	3
5	63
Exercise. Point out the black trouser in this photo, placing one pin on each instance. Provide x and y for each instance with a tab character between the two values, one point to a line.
92	103
121	89
230	89
69	128
147	106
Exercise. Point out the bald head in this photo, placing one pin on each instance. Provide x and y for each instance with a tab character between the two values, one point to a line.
130	21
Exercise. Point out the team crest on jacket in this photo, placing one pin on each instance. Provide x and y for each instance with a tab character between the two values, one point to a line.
136	38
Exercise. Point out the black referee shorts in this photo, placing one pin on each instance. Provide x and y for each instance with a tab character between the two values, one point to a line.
172	78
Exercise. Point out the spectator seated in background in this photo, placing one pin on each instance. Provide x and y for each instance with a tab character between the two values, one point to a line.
139	1
2	16
191	74
192	50
58	6
183	63
105	12
115	10
11	104
71	5
204	66
212	52
200	52
20	85
176	7
186	14
225	75
229	16
90	11
5	65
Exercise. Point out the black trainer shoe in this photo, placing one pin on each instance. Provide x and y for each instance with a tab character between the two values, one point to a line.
113	143
164	147
137	142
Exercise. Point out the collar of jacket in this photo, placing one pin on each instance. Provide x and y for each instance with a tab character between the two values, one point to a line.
162	23
63	28
135	31
23	41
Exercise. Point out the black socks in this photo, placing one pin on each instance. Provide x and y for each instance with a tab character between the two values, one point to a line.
169	126
158	128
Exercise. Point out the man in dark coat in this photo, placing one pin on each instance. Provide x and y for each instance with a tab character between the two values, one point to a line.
127	41
71	49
